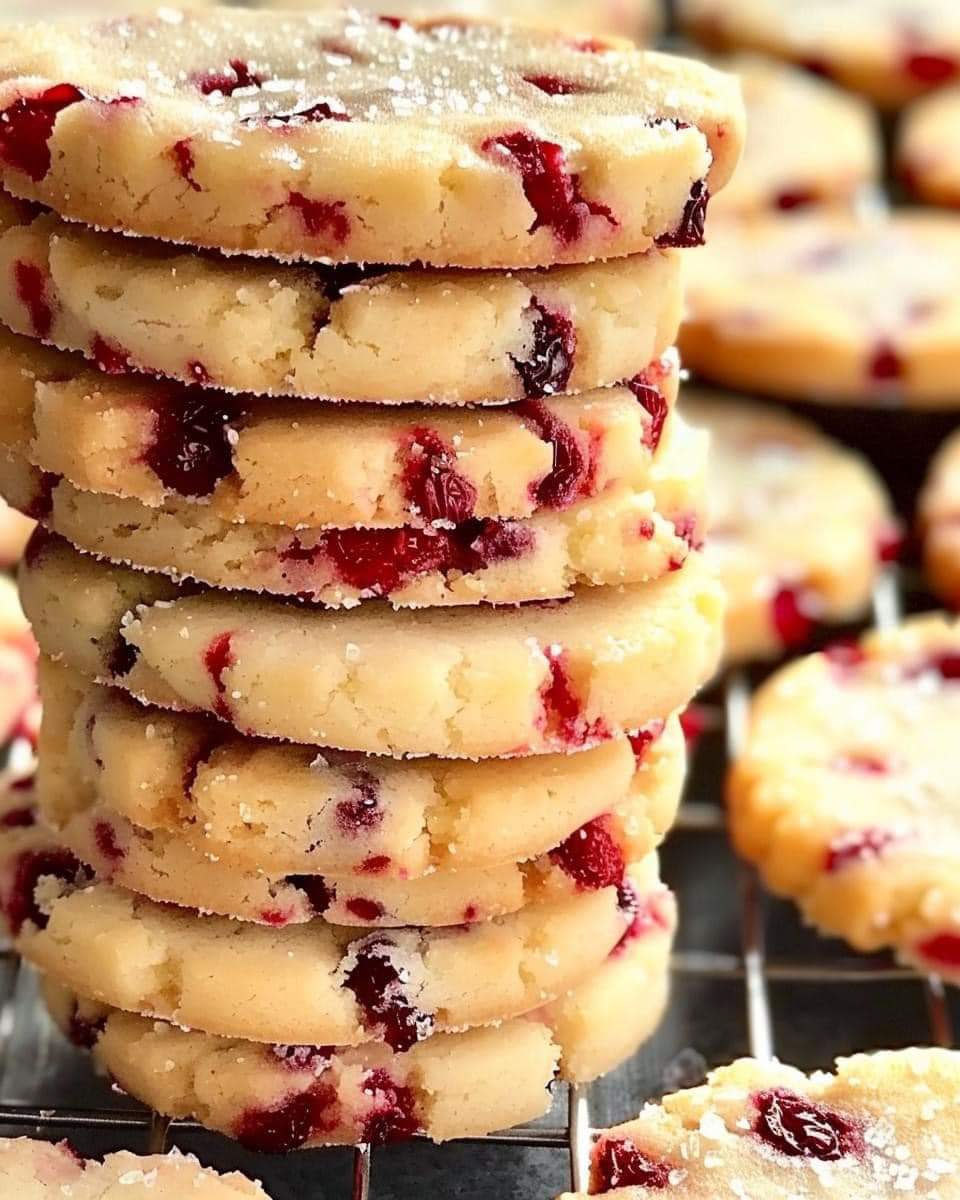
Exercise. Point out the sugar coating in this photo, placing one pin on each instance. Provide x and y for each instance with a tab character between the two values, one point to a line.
928	148
939	517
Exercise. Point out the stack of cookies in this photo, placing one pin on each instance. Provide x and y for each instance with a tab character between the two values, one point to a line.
367	595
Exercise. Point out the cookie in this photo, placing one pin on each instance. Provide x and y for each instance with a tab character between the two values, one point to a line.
620	536
845	795
481	684
305	464
882	1125
288	810
939	518
821	307
345	137
34	1170
890	50
776	483
18	669
342	332
928	148
808	143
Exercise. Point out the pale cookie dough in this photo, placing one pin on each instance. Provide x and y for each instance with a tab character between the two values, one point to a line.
34	1170
885	1125
845	796
479	684
354	138
821	307
928	148
619	536
340	332
890	50
298	463
776	485
939	518
808	143
256	805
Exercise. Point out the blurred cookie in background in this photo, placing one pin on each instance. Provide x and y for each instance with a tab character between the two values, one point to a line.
799	525
15	530
19	705
928	148
938	515
58	10
889	50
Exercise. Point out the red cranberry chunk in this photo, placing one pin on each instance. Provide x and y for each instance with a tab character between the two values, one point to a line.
361	811
791	620
183	159
556	85
289	1124
379	986
592	856
547	372
859	763
643	739
321	217
109	357
393	22
930	69
552	190
217	660
318	892
942	950
189	448
29	868
689	232
885	363
652	401
564	709
861	846
619	1163
394	1118
229	80
364	909
105	838
571	472
432	483
26	127
788	200
31	285
19	818
800	1128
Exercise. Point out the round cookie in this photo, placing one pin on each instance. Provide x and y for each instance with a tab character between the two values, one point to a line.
619	536
298	463
890	50
938	513
808	143
821	307
776	483
845	795
928	148
480	684
884	1124
346	137
35	1170
344	333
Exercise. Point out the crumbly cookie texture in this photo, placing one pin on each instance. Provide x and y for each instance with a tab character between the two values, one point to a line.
290	810
890	50
619	536
347	137
276	1098
939	518
821	307
345	333
884	1124
928	148
808	143
775	484
845	795
298	463
479	684
34	1170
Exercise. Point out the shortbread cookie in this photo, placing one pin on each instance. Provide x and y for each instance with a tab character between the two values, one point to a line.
480	684
304	464
891	50
939	516
620	536
352	138
290	810
776	484
845	796
885	1124
34	1170
18	669
808	143
928	148
346	333
820	307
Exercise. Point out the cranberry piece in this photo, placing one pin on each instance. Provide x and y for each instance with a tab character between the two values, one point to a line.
217	659
199	373
653	403
376	864
547	372
861	764
551	189
189	448
237	75
861	846
393	22
643	739
890	542
689	232
646	529
361	811
365	910
694	721
571	471
41	502
432	484
314	1059
618	1163
277	918
29	868
930	69
563	708
289	1124
31	284
109	357
19	818
844	657
318	892
470	914
321	111
394	1117
379	987
791	621
788	200
943	949
105	838
123	658
182	154
84	1032
800	1128
320	217
591	856
26	127
885	363
556	85
642	915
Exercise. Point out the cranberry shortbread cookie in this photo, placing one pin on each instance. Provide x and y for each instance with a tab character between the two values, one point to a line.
845	795
776	483
884	1125
347	137
483	683
939	518
928	148
345	333
822	307
891	50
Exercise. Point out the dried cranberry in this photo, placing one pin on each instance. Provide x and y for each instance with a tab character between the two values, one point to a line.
653	403
26	127
109	357
84	1031
19	818
694	721
217	660
930	69
123	658
231	79
643	739
556	85
552	190
800	1128
571	470
885	362
393	22
592	856
320	217
183	158
563	708
432	484
289	1124
861	846
376	864
791	618
361	811
105	838
364	909
29	868
41	502
859	763
189	446
618	1163
379	987
943	949
318	892
394	1117
547	371
796	198
689	232
31	284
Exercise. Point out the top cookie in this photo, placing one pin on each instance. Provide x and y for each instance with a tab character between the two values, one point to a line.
351	137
